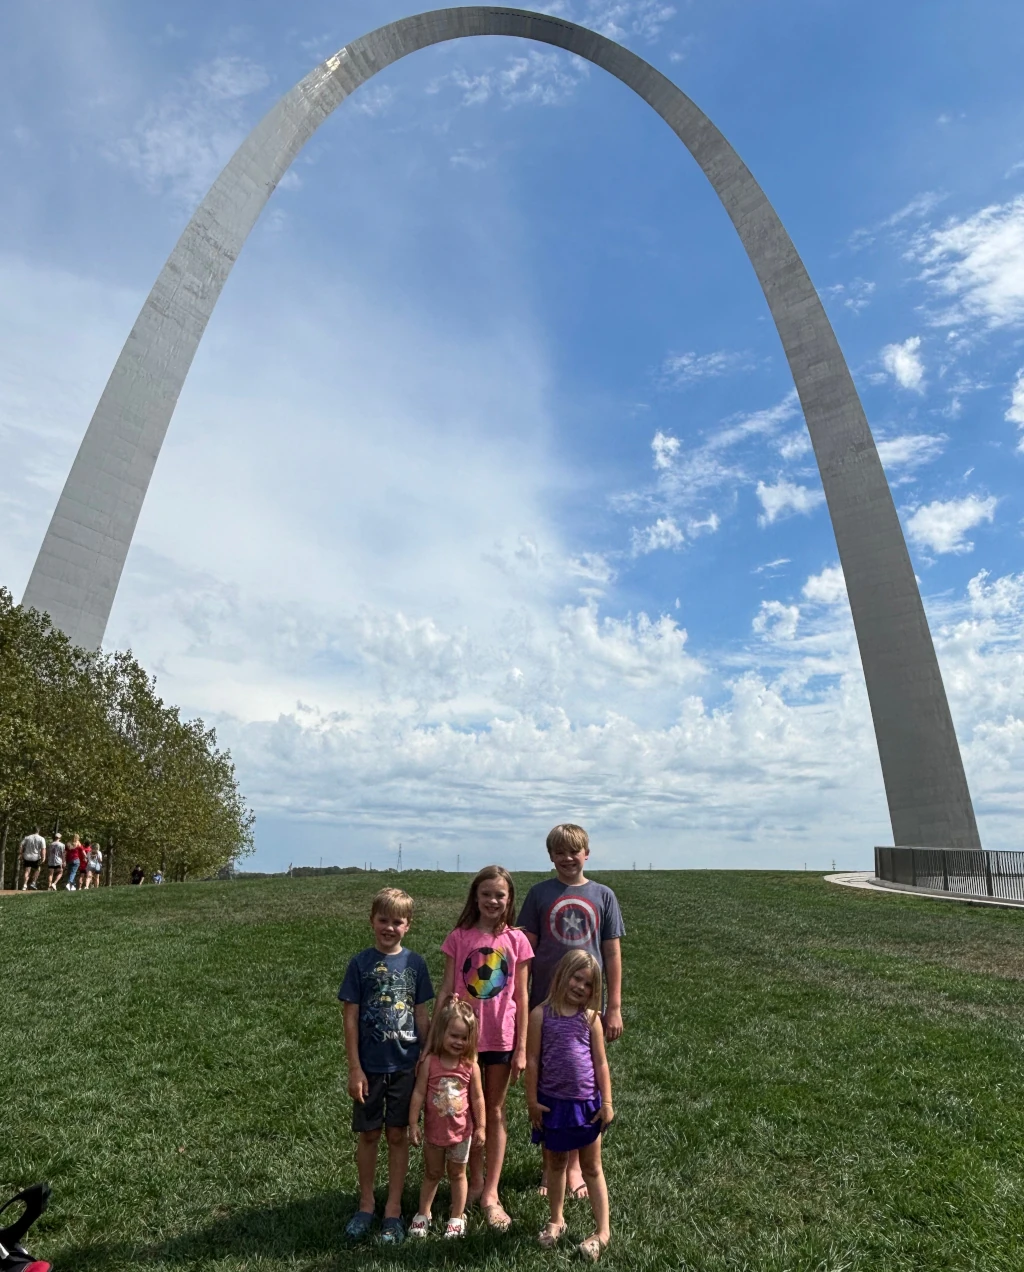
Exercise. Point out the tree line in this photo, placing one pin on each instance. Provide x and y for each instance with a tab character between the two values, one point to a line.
87	747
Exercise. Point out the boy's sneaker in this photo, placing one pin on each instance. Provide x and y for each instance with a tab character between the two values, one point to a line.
359	1225
392	1231
420	1226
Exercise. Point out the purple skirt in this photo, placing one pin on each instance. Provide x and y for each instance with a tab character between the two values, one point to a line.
568	1126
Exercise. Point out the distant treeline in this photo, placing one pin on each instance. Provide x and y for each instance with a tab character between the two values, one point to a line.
87	748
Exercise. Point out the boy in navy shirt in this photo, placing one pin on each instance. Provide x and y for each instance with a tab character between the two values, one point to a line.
385	992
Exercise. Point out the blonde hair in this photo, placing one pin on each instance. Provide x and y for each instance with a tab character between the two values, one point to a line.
470	915
558	991
393	903
568	835
455	1008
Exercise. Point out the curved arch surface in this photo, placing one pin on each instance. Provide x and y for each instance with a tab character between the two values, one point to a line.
79	565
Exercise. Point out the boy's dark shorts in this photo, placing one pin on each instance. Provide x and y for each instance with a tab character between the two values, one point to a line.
387	1103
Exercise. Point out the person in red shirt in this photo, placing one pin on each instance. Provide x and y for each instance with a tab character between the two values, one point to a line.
74	858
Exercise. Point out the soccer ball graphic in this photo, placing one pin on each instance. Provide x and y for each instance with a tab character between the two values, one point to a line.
485	972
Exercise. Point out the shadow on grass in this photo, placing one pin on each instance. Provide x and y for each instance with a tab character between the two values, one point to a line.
313	1228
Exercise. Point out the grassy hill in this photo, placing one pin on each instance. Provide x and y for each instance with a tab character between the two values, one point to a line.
811	1078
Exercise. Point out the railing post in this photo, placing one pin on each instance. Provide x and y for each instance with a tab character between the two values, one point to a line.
913	867
988	872
945	872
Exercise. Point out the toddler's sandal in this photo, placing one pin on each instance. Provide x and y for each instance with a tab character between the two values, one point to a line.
592	1248
456	1227
550	1235
420	1226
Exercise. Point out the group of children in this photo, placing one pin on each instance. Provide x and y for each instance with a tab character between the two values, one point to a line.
524	999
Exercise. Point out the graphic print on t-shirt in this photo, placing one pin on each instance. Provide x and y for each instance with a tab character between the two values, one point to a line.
574	921
485	972
388	1008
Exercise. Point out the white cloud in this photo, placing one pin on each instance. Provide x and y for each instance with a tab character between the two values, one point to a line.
663	534
977	264
940	526
537	77
1015	411
665	449
184	140
785	498
679	369
775	621
903	363
917	208
826	588
911	450
373	99
795	445
855	295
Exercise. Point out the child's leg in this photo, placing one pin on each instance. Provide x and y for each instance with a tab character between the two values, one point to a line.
433	1169
593	1173
459	1186
574	1176
555	1166
366	1167
496	1079
398	1168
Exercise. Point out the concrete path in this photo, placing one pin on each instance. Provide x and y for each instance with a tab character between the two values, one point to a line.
865	879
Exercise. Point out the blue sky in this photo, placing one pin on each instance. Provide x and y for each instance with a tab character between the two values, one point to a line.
488	503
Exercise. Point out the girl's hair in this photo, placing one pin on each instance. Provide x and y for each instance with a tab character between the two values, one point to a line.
455	1008
470	915
558	993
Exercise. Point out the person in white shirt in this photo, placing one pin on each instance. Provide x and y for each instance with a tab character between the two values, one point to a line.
93	866
33	851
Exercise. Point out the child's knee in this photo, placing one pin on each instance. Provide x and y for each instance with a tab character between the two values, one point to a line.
397	1136
558	1162
370	1137
456	1170
496	1114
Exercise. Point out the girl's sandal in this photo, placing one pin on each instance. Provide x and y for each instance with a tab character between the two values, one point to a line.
592	1248
456	1227
550	1235
497	1217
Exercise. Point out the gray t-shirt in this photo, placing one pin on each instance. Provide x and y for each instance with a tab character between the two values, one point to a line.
32	848
567	917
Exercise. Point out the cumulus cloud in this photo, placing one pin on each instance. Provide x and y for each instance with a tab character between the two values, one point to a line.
977	265
940	526
183	141
537	77
664	533
775	621
911	450
903	363
826	588
785	498
1015	411
665	449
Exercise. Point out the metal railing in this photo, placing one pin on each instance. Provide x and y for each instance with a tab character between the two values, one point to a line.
970	872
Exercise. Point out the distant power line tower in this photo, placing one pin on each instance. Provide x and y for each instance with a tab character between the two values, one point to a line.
399	858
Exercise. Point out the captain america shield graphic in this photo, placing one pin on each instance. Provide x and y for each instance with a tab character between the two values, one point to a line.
573	921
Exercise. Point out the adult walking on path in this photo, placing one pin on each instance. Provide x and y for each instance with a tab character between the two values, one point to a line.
93	865
75	859
55	861
33	853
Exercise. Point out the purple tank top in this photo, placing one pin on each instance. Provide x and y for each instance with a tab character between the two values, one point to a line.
566	1063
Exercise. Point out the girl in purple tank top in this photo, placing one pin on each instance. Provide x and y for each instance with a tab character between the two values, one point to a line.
569	1092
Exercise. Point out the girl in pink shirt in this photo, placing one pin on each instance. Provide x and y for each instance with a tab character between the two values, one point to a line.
486	965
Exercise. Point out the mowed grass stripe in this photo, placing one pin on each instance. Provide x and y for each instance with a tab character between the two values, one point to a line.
811	1078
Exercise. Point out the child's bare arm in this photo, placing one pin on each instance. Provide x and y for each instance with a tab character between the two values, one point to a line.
533	1033
358	1086
416	1102
611	954
601	1071
521	997
476	1101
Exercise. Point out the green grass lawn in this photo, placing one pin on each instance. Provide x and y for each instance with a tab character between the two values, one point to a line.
811	1078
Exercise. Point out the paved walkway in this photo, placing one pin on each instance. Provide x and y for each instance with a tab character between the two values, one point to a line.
865	879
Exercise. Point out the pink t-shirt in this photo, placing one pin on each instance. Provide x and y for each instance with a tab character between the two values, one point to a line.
485	975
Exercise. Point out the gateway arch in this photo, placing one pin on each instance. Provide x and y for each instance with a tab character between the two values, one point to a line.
79	565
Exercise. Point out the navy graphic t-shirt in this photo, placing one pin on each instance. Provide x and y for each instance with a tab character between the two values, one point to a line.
567	918
387	987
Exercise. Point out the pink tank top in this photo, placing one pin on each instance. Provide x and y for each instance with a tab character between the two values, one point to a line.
447	1116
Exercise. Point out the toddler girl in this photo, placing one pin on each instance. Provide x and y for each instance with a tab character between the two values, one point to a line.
486	965
569	1092
448	1088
